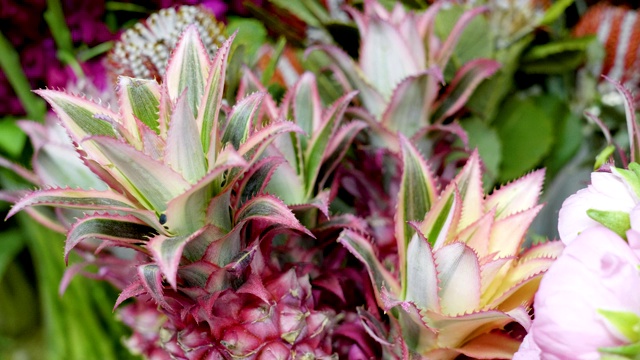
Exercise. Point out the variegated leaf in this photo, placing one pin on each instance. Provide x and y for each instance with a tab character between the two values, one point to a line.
255	145
188	68
381	278
139	99
74	199
307	107
508	234
441	221
167	252
183	150
459	275
467	79
416	196
153	183
317	149
338	146
469	184
116	228
444	52
256	178
241	120
271	210
132	290
422	275
151	279
78	116
456	329
522	194
211	102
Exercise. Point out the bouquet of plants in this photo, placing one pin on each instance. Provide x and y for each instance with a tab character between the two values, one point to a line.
312	199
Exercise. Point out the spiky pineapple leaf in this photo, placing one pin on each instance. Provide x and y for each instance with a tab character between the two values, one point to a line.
212	100
509	232
259	140
115	228
455	329
459	275
271	210
444	53
188	68
517	196
317	149
422	275
183	150
463	85
469	185
132	290
74	199
441	221
151	279
139	99
78	116
241	120
338	147
409	108
361	248
167	252
187	212
307	107
257	178
153	183
416	196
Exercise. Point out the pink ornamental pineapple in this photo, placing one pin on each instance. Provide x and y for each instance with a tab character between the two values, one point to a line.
185	190
461	279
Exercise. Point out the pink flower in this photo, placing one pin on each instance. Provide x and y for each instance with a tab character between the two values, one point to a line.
597	271
529	350
607	192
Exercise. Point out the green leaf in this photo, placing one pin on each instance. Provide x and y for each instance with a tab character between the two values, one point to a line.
12	138
556	57
58	26
139	98
617	221
12	69
270	69
630	176
486	140
628	323
188	68
251	34
526	133
556	9
604	156
11	243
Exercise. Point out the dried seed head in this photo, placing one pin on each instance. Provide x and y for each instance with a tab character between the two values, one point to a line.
143	50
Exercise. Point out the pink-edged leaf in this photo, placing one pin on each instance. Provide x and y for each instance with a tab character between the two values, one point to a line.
286	182
508	233
223	249
211	102
491	345
256	144
150	181
632	124
151	279
240	120
519	195
132	290
469	184
411	103
422	275
74	199
256	178
441	221
489	275
138	99
416	196
361	248
307	107
188	68
186	212
167	252
385	66
271	210
152	144
183	150
21	171
459	275
78	116
60	165
317	149
477	235
456	329
249	83
116	228
371	98
466	80
197	273
446	50
338	146
320	202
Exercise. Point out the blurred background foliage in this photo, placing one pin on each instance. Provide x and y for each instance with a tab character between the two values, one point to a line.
529	114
